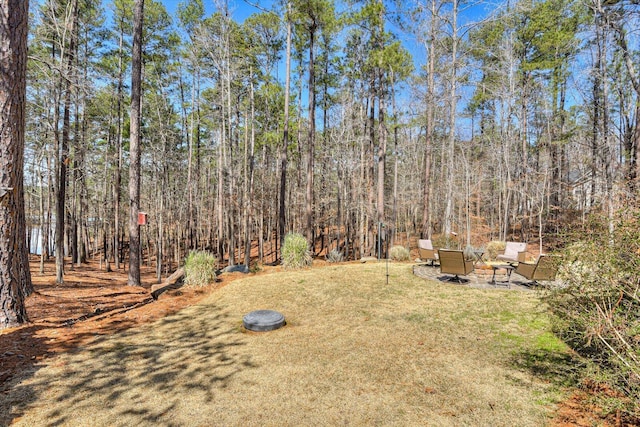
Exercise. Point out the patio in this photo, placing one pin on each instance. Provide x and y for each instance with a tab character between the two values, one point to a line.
480	278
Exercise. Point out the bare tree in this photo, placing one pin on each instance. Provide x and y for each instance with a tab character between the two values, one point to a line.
430	118
616	20
134	169
451	139
63	146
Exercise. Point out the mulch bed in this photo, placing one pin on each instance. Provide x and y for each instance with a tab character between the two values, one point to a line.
89	304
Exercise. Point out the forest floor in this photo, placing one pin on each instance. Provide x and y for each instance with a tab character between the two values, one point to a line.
92	303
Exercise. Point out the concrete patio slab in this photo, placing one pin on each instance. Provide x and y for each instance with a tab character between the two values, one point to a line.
479	278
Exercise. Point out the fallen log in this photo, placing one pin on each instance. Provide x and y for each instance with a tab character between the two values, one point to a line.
175	281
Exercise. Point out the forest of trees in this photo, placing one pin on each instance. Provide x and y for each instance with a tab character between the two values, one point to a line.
326	118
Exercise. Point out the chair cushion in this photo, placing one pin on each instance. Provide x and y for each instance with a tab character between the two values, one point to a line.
512	248
425	244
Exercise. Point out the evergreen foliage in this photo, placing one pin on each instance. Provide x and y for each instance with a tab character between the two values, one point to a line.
335	256
200	268
295	251
399	253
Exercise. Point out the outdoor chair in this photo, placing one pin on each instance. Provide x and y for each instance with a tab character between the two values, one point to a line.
514	252
454	262
426	251
545	268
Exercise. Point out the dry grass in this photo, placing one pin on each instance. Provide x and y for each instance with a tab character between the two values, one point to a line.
355	351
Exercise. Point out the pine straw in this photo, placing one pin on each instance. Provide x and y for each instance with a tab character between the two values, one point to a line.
355	351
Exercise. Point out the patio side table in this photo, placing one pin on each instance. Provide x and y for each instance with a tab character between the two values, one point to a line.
478	255
509	269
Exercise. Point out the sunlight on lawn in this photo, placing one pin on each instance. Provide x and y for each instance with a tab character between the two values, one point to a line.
354	351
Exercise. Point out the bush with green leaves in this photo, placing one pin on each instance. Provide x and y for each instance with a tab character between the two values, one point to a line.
597	309
399	253
334	256
295	251
200	268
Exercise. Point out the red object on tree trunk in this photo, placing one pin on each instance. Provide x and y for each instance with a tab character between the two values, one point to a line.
142	218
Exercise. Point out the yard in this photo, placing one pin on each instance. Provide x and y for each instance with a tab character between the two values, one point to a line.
355	351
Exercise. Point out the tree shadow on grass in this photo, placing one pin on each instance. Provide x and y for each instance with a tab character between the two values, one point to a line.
140	375
558	367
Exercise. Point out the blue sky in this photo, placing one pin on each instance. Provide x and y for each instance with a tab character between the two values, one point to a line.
240	9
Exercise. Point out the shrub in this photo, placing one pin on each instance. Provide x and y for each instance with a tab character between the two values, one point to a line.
493	248
334	256
399	253
200	268
597	310
469	253
447	241
295	251
440	241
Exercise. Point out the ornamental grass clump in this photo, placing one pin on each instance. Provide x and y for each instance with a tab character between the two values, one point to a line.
399	253
295	251
493	248
334	256
469	252
200	268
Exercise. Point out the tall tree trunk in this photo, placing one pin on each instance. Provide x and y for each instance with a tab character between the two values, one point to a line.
448	214
160	232
369	224
382	130
76	165
228	165
134	168
394	213
43	227
193	160
597	108
282	219
105	214
195	131
46	233
249	180
360	190
82	178
220	202
312	138
78	184
15	277
117	184
382	151
429	130
63	153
